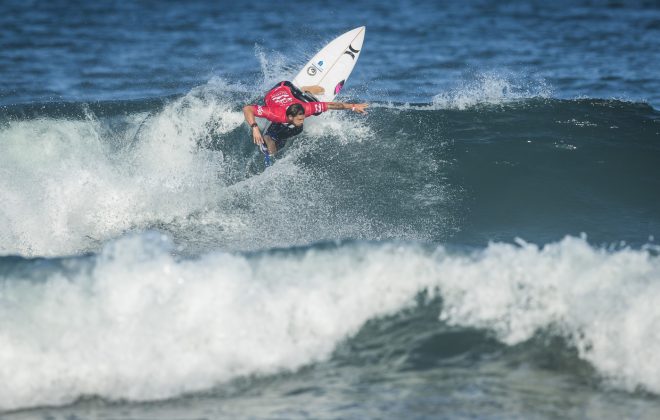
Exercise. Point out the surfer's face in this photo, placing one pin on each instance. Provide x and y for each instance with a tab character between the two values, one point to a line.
298	120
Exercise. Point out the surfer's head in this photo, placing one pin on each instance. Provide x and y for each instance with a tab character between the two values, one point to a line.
296	114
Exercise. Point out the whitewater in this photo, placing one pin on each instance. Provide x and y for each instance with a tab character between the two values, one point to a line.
189	324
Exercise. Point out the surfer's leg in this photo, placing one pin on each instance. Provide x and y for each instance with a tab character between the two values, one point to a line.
270	144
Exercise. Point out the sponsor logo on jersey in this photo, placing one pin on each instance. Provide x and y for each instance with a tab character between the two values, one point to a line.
281	98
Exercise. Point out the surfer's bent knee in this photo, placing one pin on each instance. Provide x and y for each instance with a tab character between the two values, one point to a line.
270	143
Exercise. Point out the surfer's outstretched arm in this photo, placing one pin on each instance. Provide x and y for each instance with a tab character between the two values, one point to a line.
359	108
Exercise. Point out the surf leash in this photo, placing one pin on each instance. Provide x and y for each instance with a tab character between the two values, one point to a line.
268	161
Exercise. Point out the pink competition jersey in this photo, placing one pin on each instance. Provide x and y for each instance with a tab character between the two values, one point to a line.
279	99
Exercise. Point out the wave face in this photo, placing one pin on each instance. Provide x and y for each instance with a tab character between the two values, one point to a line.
457	170
135	322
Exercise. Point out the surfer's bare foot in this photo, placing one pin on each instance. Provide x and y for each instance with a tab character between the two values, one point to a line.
314	90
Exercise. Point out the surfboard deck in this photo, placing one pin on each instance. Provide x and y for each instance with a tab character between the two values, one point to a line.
331	66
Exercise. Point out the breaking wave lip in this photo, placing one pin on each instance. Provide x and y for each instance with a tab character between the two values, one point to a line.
83	180
136	322
513	104
491	88
502	88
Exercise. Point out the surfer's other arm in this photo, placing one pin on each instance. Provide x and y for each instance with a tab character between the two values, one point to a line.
248	112
359	108
316	90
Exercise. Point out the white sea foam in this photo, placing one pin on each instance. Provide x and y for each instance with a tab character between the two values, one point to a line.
70	185
491	88
604	302
65	187
140	324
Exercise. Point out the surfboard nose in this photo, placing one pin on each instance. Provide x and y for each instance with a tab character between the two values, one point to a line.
359	37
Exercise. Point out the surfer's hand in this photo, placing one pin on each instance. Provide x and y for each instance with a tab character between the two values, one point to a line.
256	136
314	90
359	108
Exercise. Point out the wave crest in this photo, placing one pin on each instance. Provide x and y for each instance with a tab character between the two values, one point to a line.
137	322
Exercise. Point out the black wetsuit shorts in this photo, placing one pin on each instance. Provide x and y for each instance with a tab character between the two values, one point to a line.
281	132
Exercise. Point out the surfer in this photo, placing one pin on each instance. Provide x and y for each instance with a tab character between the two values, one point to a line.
286	107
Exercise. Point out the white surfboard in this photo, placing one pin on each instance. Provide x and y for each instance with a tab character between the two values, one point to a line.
331	66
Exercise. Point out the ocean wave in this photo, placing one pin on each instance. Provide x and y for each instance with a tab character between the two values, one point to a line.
137	322
73	182
489	88
76	175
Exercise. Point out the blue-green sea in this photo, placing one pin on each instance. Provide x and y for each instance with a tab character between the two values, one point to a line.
482	244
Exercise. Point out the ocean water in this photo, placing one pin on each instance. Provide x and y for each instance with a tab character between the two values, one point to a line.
482	244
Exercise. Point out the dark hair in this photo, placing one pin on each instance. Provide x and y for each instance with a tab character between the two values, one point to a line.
294	110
